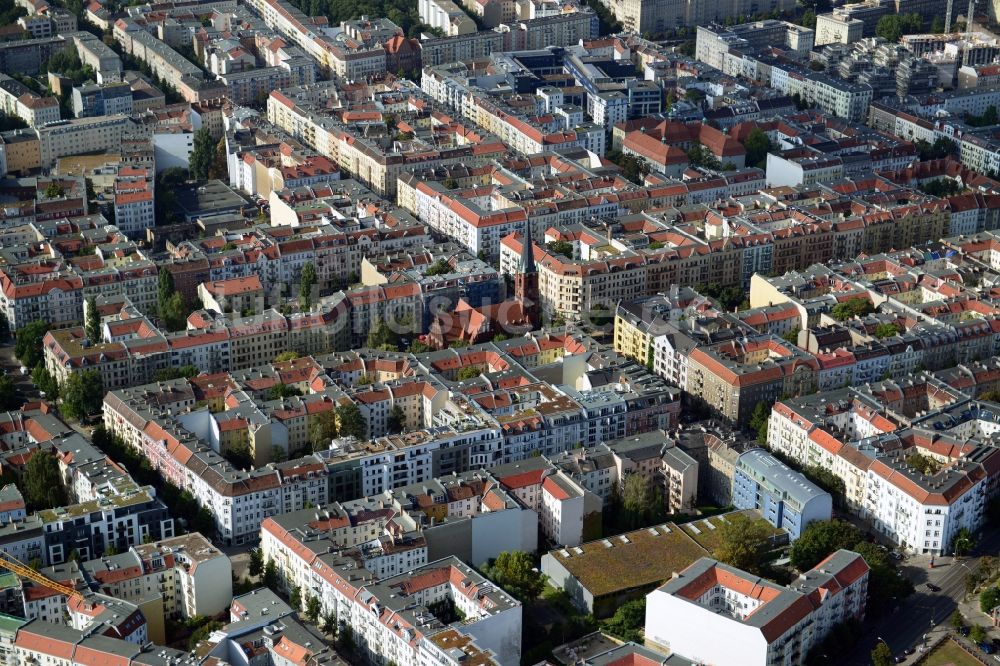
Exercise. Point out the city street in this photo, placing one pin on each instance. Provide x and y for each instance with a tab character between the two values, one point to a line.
924	609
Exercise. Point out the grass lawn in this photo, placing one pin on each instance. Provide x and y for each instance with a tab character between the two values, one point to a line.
949	653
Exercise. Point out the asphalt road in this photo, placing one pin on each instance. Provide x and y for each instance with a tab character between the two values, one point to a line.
906	627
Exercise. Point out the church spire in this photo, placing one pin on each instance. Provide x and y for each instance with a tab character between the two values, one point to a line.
527	251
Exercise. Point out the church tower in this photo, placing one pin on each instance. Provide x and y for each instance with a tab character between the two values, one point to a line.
526	280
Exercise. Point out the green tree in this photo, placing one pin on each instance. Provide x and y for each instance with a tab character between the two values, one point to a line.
183	372
271	575
256	565
295	597
759	418
9	399
329	623
468	372
808	20
202	154
821	538
792	336
28	346
565	248
93	321
923	464
279	391
963	542
937	25
956	620
350	422
989	599
174	312
744	543
286	356
439	267
313	608
885	586
4	327
642	503
883	331
220	166
758	144
54	190
203	632
322	428
41	482
988	118
942	147
45	382
515	572
82	394
882	655
306	282
164	286
396	421
852	307
381	336
628	621
977	634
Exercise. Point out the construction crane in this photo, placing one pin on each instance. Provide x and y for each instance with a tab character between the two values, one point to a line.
968	18
15	565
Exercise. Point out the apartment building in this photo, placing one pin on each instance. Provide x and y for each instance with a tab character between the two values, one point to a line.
193	578
783	496
17	100
917	484
40	642
80	136
134	202
713	613
656	16
732	377
714	41
446	16
351	590
93	99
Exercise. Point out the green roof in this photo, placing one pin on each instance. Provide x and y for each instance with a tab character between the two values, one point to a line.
8	580
9	624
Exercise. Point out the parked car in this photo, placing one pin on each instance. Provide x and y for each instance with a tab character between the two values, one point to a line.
987	647
909	651
896	555
24	370
933	588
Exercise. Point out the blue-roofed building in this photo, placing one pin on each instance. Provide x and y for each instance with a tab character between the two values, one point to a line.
784	497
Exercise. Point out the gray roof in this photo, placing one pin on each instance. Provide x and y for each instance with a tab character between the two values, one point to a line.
765	467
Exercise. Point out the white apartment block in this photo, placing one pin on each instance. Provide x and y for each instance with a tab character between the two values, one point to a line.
389	616
712	613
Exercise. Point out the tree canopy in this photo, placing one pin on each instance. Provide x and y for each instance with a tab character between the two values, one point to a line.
9	399
758	144
852	307
41	483
92	324
893	26
819	539
744	543
322	428
202	154
28	347
350	422
82	394
515	572
307	280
